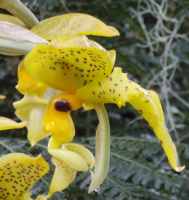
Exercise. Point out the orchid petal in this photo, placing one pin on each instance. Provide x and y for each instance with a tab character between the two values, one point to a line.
70	159
8	124
17	40
73	24
35	128
32	109
26	85
102	160
62	177
19	172
118	89
68	68
11	19
82	151
18	33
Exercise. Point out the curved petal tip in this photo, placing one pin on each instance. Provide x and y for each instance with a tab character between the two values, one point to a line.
180	168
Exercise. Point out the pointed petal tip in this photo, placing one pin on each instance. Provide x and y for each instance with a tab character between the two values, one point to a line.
114	31
180	168
93	187
32	143
23	124
8	124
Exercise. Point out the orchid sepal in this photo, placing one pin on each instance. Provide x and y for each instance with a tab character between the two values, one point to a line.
102	157
17	8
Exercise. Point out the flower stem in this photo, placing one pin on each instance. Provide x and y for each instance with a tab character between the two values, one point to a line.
102	149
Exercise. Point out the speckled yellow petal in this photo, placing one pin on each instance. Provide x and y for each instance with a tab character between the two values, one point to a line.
118	89
17	8
83	151
62	178
68	68
32	109
19	172
73	24
147	102
7	124
80	41
11	19
58	122
110	90
26	196
26	85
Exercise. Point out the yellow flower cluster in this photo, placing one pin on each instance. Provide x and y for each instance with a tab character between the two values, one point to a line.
63	71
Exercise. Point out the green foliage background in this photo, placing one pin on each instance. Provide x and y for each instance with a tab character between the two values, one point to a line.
153	48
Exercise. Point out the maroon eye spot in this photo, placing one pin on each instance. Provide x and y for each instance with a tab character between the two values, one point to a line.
62	106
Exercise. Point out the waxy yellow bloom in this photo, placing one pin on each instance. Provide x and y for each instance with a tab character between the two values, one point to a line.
18	174
79	72
88	73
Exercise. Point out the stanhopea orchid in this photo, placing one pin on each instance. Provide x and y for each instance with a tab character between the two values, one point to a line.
88	73
63	72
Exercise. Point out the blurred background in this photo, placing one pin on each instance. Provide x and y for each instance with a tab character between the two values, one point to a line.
154	50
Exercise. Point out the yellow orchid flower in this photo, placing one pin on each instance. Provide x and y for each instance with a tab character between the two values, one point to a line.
87	73
68	159
26	84
82	71
19	172
32	108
